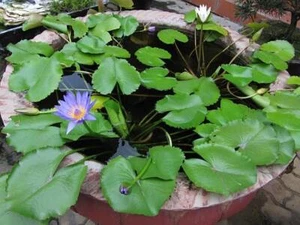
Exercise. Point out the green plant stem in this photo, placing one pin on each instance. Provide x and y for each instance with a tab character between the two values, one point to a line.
258	99
184	60
217	55
141	174
91	157
183	137
200	50
195	43
147	130
169	139
147	116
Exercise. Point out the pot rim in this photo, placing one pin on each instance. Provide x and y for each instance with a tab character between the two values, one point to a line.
183	197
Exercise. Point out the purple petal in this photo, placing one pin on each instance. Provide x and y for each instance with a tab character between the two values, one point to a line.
71	126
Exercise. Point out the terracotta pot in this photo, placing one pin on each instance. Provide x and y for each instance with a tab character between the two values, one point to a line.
187	205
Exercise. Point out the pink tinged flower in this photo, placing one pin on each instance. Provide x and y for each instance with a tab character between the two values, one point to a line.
75	109
203	12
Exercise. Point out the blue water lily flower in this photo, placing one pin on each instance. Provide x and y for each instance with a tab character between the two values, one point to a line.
76	109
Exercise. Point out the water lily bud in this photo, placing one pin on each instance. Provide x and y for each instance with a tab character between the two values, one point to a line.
262	91
124	190
151	29
203	12
28	111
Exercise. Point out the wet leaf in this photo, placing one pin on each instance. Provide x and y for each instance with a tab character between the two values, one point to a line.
238	75
91	45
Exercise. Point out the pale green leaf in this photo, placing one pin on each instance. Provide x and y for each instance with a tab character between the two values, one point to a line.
293	80
190	16
285	100
287	118
205	130
79	27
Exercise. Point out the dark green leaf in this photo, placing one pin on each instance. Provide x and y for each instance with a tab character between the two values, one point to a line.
151	56
127	4
113	71
39	78
224	170
170	36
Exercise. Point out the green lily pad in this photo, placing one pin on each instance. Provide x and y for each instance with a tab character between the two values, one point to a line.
170	36
224	170
151	56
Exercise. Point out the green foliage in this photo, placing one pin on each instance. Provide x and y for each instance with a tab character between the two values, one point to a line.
149	183
169	36
151	106
152	56
23	192
59	6
222	169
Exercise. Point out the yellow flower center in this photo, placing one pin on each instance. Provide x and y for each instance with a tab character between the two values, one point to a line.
78	113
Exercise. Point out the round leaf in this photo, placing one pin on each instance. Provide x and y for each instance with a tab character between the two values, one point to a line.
169	36
224	170
146	197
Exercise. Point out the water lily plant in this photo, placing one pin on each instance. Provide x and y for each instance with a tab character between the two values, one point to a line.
147	110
